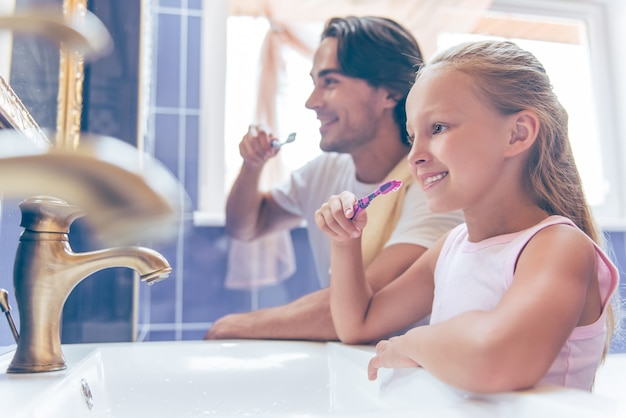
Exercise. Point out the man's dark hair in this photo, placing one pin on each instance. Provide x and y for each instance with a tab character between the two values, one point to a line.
379	51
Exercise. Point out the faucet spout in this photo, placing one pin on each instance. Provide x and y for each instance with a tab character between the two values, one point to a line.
72	268
46	270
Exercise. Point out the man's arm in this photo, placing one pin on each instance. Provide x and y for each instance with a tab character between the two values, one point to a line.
309	318
251	213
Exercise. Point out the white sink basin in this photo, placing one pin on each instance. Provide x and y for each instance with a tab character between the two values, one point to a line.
259	378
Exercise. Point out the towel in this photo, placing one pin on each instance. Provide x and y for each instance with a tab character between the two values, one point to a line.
264	262
383	213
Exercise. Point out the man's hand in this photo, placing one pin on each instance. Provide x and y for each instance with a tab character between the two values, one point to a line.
233	326
255	146
306	318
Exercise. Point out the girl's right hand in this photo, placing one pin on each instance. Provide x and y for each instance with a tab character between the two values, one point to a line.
390	356
255	146
333	218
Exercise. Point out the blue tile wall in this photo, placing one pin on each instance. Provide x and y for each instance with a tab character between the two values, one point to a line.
9	235
168	60
617	245
195	4
166	141
194	29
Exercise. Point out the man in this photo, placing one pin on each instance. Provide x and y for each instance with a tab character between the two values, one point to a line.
362	72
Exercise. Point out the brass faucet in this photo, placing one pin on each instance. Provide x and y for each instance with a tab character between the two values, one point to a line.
46	270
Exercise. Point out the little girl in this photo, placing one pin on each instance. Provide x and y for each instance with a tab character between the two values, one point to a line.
519	294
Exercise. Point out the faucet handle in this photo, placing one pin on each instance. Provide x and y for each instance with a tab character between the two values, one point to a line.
6	308
48	214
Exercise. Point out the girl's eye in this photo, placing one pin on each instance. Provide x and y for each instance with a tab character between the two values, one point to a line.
438	128
410	139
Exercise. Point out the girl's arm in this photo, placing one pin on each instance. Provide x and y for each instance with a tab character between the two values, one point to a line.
362	314
512	346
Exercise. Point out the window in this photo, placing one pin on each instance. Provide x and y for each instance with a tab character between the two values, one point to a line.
569	38
568	64
244	39
573	41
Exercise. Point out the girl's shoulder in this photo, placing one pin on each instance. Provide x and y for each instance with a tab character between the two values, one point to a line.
555	233
555	220
558	243
557	227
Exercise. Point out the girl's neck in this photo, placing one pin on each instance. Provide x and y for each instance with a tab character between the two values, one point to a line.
502	221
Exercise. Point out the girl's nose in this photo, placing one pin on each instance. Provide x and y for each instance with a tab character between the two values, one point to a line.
418	154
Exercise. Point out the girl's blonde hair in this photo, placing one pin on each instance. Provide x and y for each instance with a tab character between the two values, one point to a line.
512	79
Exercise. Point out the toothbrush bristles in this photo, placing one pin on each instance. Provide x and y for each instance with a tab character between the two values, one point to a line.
390	186
387	187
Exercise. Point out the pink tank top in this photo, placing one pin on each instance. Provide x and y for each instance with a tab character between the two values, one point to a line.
475	276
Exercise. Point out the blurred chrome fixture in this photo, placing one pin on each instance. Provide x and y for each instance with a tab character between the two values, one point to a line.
127	196
82	32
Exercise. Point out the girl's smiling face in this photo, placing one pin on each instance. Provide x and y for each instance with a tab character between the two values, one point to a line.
459	141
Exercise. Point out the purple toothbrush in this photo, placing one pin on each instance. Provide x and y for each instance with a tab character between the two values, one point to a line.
387	187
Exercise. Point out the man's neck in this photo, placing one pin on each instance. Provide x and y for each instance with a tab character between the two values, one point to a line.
374	162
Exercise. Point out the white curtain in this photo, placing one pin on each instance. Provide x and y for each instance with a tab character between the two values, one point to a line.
271	259
424	18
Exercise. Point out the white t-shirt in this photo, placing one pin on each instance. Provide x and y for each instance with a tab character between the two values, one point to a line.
332	173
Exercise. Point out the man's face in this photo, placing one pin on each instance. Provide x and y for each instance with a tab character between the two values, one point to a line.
348	108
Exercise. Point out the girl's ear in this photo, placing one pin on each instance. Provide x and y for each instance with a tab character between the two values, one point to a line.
524	133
